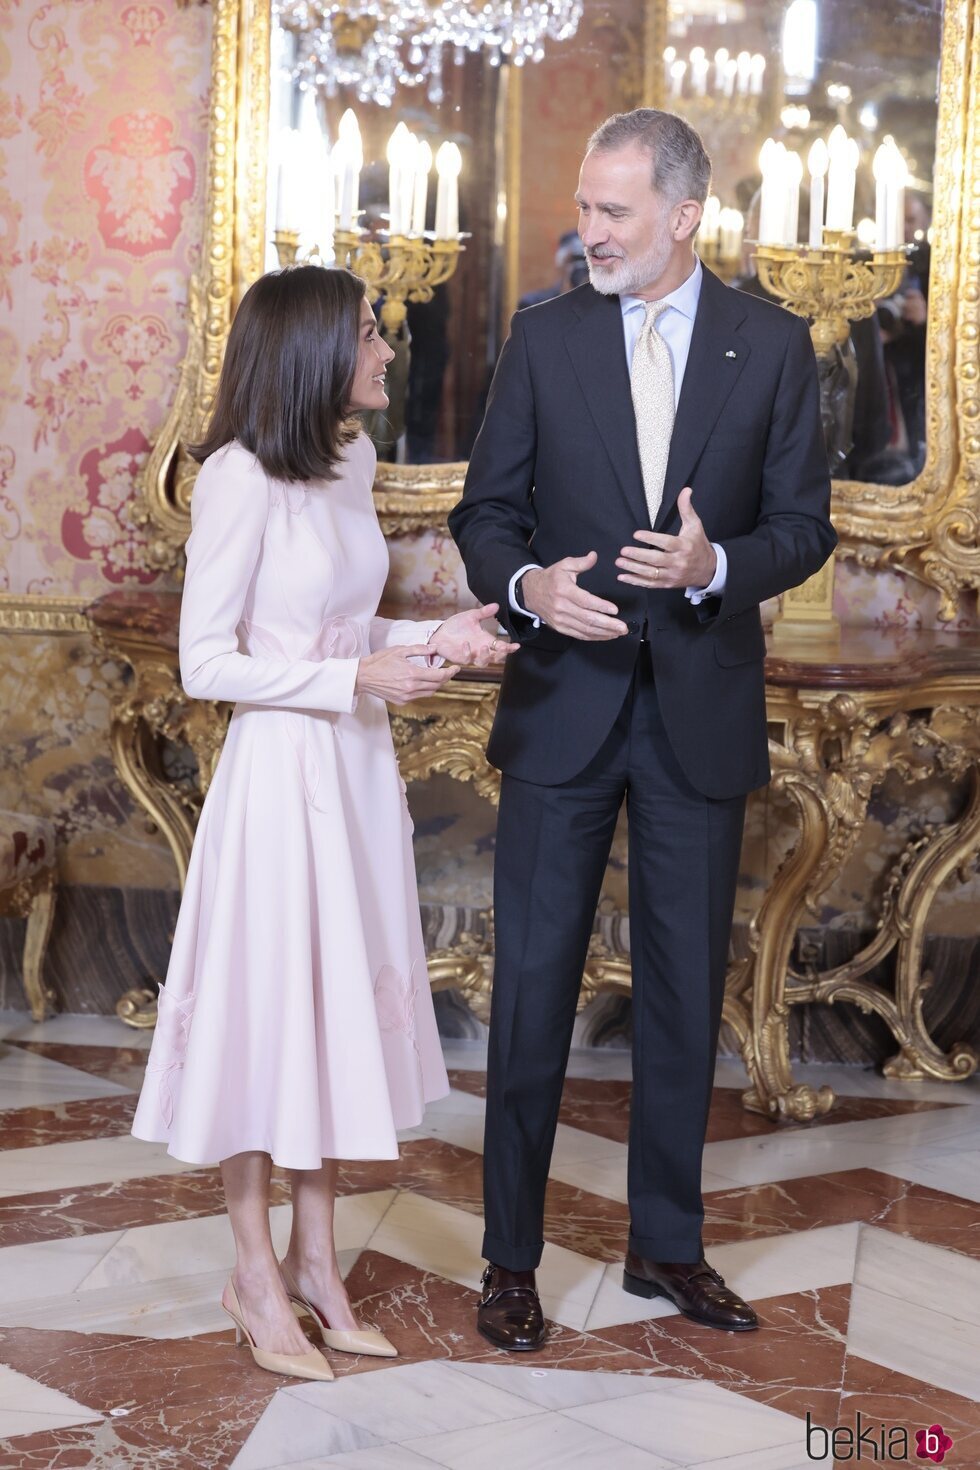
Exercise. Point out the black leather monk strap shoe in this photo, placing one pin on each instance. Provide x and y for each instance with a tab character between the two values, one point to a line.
509	1314
696	1289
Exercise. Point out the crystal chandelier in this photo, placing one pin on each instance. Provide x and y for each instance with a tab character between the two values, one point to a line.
376	46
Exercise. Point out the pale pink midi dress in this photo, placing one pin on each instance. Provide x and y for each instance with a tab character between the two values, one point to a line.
296	1018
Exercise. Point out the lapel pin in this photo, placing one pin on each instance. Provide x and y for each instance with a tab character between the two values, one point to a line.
730	353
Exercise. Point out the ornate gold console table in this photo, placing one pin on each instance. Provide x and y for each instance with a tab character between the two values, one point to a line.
841	719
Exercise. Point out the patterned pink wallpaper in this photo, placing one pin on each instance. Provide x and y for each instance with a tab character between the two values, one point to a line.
103	130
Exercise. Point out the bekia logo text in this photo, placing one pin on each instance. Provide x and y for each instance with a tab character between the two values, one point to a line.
869	1441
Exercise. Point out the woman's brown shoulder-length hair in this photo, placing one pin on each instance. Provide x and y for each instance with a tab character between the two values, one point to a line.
285	385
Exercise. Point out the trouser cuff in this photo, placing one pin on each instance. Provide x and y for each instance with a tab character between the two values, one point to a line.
512	1257
685	1248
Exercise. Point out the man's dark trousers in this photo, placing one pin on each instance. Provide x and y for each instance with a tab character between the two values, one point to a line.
553	843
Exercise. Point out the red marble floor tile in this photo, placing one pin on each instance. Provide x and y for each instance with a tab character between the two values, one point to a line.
795	1362
429	1317
122	1205
887	1398
122	1064
97	1117
867	1195
190	1402
599	1105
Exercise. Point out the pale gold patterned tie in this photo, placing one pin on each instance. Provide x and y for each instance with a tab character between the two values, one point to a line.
652	384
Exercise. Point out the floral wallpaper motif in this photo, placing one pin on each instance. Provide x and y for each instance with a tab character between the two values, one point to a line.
103	133
103	138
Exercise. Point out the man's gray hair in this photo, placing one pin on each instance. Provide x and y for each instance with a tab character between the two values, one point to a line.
681	167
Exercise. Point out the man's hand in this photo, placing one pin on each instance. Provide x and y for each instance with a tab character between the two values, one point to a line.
553	595
685	560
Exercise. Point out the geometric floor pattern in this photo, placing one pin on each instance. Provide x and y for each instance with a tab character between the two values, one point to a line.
856	1237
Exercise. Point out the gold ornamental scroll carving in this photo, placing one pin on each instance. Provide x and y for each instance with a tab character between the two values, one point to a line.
929	528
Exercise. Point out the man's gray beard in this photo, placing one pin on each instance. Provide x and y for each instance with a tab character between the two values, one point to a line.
631	276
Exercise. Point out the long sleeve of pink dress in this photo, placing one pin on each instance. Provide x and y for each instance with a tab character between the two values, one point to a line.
296	1018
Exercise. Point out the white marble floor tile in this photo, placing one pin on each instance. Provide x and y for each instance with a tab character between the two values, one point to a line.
82	1162
549	1442
464	1055
756	1269
74	1030
606	1175
456	1119
28	1407
415	1400
187	1247
857	1081
919	1273
779	1457
557	1388
686	1421
952	1173
384	1457
294	1430
31	1081
863	1144
579	1146
184	1305
51	1267
861	1081
440	1238
921	1342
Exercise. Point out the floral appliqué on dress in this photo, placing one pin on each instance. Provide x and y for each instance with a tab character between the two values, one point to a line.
169	1050
395	999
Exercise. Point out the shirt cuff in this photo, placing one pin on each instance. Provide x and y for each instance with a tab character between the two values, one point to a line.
515	606
717	584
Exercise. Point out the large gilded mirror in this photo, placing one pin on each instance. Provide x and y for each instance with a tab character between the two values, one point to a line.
901	395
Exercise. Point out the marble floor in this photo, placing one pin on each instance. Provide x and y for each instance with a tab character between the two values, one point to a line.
857	1237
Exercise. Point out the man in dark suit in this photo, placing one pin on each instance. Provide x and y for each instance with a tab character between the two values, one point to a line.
651	468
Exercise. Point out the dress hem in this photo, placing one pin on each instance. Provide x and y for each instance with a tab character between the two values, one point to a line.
147	1136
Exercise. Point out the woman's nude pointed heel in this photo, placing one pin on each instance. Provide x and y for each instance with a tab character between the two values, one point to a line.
368	1340
297	1365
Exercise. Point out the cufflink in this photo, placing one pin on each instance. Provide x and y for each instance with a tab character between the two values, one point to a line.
730	353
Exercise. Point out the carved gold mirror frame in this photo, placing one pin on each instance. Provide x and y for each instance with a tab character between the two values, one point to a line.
929	528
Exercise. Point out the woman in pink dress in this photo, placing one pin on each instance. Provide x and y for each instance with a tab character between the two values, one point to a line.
296	1024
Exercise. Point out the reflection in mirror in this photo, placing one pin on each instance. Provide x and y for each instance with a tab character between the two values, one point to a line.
742	71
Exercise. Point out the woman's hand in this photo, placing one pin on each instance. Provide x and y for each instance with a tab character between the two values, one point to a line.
462	640
389	675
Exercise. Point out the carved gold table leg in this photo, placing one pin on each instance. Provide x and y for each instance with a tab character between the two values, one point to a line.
771	937
825	768
138	764
918	875
39	907
953	851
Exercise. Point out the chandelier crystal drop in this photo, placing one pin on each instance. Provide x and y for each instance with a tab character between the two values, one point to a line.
376	46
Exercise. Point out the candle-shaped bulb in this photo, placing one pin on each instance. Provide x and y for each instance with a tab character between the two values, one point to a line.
349	131
449	162
710	220
423	167
818	159
396	164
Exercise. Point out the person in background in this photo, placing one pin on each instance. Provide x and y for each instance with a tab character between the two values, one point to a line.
572	271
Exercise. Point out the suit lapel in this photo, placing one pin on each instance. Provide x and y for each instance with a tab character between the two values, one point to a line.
596	346
718	354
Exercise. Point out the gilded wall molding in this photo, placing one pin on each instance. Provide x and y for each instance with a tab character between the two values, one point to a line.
930	529
39	614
